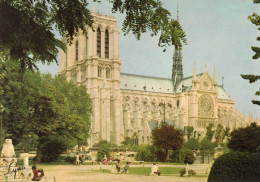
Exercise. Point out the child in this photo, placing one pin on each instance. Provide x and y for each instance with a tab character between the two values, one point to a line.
37	174
126	168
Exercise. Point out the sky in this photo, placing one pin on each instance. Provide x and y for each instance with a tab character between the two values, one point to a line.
218	34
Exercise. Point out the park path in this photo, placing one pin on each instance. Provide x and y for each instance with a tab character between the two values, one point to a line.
72	173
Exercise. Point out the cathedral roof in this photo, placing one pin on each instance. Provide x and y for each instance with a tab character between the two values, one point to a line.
146	83
162	85
222	94
186	84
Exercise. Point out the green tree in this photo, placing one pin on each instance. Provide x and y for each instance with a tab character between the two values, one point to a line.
206	146
68	17
227	131
34	108
210	132
127	141
102	143
188	131
255	19
104	149
145	153
192	144
167	137
245	139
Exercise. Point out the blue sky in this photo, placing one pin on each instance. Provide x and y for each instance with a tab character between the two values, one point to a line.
218	33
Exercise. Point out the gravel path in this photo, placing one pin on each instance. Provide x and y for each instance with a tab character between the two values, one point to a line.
72	173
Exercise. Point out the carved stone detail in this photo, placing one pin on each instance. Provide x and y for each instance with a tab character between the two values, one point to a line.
206	106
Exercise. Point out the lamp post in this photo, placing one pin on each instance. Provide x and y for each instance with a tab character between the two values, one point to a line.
163	104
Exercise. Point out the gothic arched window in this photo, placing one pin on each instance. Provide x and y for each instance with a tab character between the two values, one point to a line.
98	42
77	51
135	139
106	44
107	72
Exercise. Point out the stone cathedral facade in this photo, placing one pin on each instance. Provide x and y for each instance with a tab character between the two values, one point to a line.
127	105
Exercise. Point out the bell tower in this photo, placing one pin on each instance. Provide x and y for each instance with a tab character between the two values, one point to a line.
93	60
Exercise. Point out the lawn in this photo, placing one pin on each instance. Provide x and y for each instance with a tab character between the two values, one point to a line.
165	171
147	170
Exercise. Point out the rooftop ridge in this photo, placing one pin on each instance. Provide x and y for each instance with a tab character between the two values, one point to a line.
144	76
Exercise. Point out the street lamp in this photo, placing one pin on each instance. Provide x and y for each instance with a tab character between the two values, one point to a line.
163	105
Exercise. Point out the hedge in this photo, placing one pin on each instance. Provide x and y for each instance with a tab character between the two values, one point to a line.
235	167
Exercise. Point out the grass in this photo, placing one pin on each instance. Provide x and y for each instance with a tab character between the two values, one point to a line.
165	171
147	170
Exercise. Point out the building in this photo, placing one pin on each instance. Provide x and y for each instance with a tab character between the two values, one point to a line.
127	105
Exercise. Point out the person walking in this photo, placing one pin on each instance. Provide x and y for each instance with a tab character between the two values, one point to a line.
126	168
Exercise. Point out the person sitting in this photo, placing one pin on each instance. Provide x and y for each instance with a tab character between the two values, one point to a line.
155	169
105	160
110	160
37	174
126	168
82	159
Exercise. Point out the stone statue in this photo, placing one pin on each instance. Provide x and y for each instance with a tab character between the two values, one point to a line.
219	135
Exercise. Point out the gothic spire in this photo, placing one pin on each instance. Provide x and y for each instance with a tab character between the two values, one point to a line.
177	70
194	72
214	76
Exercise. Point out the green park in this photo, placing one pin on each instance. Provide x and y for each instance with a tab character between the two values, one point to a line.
75	126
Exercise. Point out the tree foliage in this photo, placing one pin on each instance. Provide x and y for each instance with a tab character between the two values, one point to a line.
167	137
255	19
235	166
245	139
188	131
27	26
34	107
145	153
207	145
192	144
210	132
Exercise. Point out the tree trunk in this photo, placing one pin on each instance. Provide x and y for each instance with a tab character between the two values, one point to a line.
202	156
167	155
39	155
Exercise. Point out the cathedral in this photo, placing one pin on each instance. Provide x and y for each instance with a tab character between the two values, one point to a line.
128	105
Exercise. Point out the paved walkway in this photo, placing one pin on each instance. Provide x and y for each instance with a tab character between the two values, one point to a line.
72	173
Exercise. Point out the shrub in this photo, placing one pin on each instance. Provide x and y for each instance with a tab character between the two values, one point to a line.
183	171
70	159
145	153
189	156
245	139
183	156
235	166
191	172
104	150
161	155
52	149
